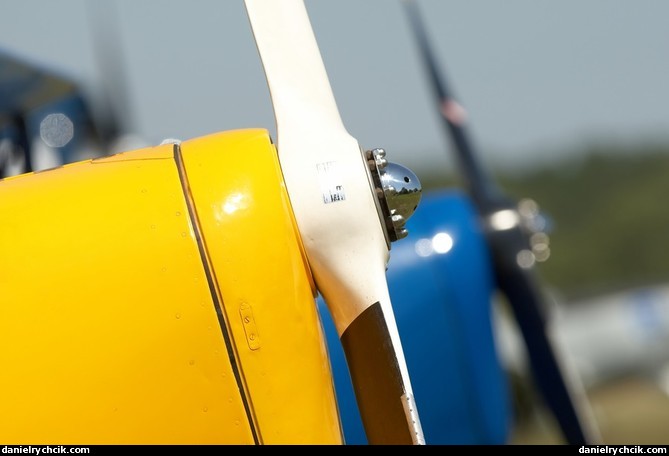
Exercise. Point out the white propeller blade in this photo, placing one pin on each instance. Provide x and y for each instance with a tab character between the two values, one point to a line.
328	182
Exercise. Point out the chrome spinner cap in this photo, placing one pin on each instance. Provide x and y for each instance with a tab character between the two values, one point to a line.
398	191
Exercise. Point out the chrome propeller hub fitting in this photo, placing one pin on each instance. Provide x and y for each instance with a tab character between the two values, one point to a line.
398	192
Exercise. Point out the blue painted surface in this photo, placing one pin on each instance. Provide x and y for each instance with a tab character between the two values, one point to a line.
442	303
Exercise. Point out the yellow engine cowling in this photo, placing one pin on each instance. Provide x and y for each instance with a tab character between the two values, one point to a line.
160	296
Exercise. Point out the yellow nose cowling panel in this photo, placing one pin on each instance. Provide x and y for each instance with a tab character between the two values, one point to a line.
112	325
246	220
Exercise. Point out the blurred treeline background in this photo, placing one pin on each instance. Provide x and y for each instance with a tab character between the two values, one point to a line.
607	212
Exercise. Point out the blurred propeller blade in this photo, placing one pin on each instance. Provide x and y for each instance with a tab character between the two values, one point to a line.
508	238
345	213
116	126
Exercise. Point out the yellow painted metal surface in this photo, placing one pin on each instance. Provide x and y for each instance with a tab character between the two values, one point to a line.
108	326
108	330
252	244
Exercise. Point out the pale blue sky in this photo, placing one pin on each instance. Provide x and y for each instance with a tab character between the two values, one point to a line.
536	76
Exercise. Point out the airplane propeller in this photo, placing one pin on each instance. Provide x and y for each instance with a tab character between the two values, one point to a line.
349	205
509	235
115	124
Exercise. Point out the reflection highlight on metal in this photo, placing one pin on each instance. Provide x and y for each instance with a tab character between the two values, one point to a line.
525	259
531	216
540	243
398	191
535	223
440	243
234	202
528	217
504	219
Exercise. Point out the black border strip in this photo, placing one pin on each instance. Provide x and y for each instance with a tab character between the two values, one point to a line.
212	289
